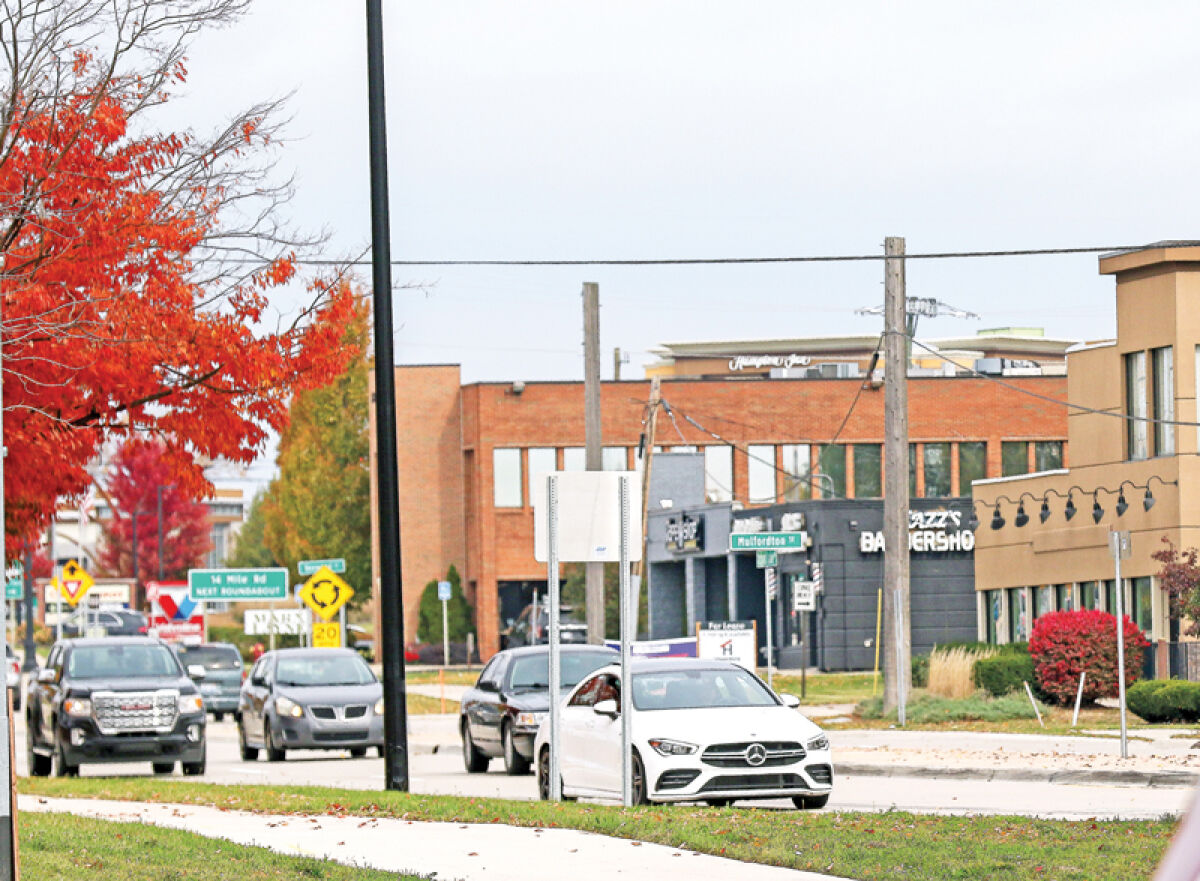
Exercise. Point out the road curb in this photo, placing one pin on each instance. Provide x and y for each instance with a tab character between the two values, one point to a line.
1082	776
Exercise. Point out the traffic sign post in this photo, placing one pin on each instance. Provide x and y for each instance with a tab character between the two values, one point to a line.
74	582
766	559
1120	544
444	588
327	635
325	593
237	584
310	567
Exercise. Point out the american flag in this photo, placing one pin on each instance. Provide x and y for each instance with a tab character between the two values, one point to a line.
85	506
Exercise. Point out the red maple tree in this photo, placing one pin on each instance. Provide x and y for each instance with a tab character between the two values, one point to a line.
132	488
127	307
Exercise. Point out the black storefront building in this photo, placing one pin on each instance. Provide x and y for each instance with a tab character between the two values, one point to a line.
694	577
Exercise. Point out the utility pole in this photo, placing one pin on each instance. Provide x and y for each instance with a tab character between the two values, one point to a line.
391	588
642	583
897	669
594	572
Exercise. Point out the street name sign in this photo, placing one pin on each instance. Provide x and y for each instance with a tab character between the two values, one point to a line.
766	541
14	582
310	567
238	584
766	559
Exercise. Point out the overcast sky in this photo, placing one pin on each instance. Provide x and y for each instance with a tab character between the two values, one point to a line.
556	130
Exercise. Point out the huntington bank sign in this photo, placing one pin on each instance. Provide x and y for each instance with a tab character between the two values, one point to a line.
928	532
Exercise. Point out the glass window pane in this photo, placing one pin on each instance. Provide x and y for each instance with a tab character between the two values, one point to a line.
1014	458
1044	600
1164	401
994	600
831	461
912	471
718	473
541	462
937	470
1140	604
1110	596
1137	430
613	459
868	471
1018	622
972	464
574	459
761	470
797	464
1047	455
1089	595
506	477
1066	601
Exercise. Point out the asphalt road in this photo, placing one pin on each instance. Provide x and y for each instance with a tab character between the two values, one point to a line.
442	774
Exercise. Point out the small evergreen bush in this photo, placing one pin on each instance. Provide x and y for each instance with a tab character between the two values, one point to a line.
1165	700
1004	673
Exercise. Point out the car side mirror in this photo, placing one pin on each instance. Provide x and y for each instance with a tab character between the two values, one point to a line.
488	685
606	708
258	680
790	700
47	675
196	671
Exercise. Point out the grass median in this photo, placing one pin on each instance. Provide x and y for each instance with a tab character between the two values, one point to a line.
57	847
891	845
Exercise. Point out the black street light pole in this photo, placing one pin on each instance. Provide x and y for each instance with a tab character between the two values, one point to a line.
395	715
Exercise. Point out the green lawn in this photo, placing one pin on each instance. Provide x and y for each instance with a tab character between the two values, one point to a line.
452	677
891	845
827	688
59	847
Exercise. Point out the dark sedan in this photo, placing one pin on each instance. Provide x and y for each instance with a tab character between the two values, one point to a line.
310	699
223	674
502	711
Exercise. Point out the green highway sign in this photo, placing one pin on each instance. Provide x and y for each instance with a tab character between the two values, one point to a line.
766	559
238	584
766	541
310	567
14	582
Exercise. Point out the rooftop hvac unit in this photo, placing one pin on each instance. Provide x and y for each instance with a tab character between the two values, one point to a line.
990	366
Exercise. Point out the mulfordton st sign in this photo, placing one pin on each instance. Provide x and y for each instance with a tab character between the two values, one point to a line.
685	533
928	531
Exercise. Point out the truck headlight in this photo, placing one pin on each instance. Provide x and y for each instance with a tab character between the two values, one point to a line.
191	703
379	707
78	706
530	720
820	743
672	747
287	707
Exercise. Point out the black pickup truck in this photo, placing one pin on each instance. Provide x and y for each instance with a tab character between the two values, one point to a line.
116	699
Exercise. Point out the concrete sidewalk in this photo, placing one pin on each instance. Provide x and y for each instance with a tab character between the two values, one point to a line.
490	852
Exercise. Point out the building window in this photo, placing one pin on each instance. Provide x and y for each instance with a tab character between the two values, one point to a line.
1136	427
937	470
761	471
1164	401
718	473
1110	596
995	606
912	471
1089	595
1047	456
1043	601
506	478
1063	597
542	460
614	459
1014	458
1018	621
831	461
868	471
574	459
972	464
797	463
1140	604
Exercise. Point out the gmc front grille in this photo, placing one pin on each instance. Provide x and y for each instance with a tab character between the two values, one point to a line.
133	712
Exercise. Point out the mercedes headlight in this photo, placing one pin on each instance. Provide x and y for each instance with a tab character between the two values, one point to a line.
379	707
672	747
288	707
818	744
191	703
78	706
530	720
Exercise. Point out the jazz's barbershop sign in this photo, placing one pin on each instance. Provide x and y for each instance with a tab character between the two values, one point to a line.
755	362
685	533
927	531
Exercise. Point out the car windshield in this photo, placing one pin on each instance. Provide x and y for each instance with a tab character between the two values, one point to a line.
324	670
212	657
532	672
692	689
115	661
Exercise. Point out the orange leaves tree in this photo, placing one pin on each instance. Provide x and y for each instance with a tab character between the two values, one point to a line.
139	265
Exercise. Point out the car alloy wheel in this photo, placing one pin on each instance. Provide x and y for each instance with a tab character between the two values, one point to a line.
249	753
274	753
515	764
638	792
473	760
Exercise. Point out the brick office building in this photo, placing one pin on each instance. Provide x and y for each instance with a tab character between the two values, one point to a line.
468	454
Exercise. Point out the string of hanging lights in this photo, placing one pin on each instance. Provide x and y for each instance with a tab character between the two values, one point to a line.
1021	517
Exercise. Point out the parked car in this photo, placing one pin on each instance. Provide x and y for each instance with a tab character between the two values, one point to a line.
223	674
361	641
310	699
501	713
532	627
12	673
117	699
702	731
120	622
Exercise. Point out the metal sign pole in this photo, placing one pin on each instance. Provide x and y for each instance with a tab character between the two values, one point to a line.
555	672
1119	542
445	634
342	626
626	610
768	583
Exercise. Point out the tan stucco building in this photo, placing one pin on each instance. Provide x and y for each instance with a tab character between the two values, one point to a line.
1135	466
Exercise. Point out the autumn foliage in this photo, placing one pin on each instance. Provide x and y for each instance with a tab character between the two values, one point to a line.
1065	644
116	321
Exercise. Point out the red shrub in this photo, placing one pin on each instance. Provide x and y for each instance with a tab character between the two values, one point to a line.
1065	644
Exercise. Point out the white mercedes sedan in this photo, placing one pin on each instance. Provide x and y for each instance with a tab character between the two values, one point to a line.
702	731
